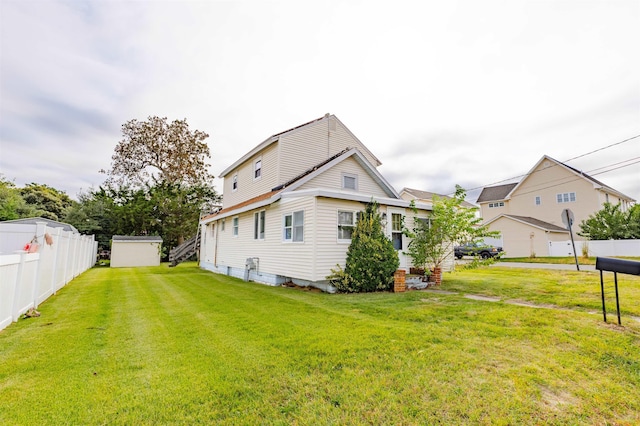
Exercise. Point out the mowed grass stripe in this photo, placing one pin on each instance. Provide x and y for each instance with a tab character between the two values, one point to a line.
180	345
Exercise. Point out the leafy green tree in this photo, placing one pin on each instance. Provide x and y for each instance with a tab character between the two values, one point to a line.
449	224
161	179
611	223
371	258
12	205
154	151
634	222
48	202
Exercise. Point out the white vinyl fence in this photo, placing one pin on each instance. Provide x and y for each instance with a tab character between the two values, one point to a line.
599	248
27	279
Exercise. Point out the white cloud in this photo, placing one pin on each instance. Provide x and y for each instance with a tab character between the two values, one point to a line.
465	92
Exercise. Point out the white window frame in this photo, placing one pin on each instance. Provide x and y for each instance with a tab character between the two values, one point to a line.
496	204
257	169
234	183
350	176
296	230
259	225
236	225
397	231
566	197
354	218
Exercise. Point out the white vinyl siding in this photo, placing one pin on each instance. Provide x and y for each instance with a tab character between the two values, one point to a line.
310	145
332	179
275	257
249	186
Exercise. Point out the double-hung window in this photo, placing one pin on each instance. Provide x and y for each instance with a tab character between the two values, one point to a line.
236	225
293	227
258	225
346	224
538	200
234	183
396	230
257	169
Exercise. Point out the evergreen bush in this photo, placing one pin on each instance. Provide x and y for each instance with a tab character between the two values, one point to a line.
371	258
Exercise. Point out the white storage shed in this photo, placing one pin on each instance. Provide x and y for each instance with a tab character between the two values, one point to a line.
131	251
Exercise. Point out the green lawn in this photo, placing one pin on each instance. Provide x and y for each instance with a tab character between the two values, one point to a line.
182	346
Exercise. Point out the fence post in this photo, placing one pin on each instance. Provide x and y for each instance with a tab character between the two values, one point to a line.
40	231
56	249
16	293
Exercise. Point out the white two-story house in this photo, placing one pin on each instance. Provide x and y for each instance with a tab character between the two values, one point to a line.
290	206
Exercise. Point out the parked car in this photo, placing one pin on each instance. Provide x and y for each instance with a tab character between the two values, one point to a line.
476	249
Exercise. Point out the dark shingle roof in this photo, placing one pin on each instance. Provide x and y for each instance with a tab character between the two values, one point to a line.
494	193
150	238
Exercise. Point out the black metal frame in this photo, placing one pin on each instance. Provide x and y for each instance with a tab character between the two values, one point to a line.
615	265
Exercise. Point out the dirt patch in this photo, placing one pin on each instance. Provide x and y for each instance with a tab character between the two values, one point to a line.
531	304
482	298
556	399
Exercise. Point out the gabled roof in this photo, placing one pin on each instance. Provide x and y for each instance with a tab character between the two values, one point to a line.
495	193
50	223
503	192
425	195
276	137
531	221
276	193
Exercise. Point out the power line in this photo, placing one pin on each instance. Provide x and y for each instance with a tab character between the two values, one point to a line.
603	148
570	159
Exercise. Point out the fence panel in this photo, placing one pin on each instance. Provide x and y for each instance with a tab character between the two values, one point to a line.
598	248
27	279
9	265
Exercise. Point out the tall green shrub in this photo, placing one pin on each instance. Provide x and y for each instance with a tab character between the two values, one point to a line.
371	258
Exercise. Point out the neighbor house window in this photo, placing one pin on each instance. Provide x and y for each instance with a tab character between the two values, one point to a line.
222	225
346	224
396	230
236	225
258	225
538	200
257	169
499	204
234	183
566	197
349	181
293	227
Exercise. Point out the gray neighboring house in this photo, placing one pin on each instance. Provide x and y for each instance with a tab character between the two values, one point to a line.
132	251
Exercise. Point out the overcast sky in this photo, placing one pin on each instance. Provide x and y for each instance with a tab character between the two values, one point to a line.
442	92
